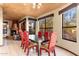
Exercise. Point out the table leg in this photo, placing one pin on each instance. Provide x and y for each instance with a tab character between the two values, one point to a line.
39	48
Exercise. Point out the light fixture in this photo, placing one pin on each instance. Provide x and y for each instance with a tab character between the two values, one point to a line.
34	5
24	4
73	30
37	5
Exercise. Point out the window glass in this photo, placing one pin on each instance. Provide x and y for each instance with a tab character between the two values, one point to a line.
69	25
46	24
32	26
49	24
69	17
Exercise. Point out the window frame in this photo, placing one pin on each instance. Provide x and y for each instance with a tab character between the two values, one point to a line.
69	27
45	18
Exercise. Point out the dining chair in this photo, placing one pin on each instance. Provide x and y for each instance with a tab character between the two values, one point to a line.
28	44
22	39
50	47
40	35
26	38
46	35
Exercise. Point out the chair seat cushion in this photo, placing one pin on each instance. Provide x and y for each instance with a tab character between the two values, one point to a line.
32	45
44	46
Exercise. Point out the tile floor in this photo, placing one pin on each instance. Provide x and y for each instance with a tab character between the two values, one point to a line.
12	48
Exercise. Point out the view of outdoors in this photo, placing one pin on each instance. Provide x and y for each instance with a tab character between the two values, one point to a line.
46	24
69	25
32	26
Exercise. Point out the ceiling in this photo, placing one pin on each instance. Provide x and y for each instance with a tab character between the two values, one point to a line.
15	11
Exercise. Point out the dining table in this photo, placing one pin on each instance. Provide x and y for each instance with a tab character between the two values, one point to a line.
39	45
38	41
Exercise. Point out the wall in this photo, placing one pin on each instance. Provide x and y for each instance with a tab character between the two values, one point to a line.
37	27
1	26
27	24
57	27
72	46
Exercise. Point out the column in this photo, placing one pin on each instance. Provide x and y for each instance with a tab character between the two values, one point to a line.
1	26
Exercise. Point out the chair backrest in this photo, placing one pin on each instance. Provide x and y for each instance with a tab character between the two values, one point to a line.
21	34
26	36
46	35
39	34
52	41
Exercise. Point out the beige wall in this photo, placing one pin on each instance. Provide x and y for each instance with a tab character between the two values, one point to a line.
1	26
72	46
57	27
37	27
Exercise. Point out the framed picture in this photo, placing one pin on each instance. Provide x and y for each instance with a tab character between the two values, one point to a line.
69	25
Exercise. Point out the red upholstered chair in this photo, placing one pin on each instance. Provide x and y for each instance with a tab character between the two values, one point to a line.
22	39
46	35
26	38
28	44
50	47
46	38
40	35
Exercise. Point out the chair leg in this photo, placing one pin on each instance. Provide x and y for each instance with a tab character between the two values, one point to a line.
54	52
21	44
27	52
40	52
33	49
36	49
25	49
48	53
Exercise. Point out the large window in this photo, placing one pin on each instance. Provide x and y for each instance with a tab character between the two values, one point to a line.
69	24
5	27
42	25
46	24
32	24
49	24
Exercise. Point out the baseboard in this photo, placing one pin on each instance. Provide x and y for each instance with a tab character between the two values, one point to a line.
67	50
1	45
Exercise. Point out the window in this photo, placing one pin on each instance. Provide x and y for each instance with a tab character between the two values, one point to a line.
49	24
46	24
5	27
42	25
69	24
32	26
